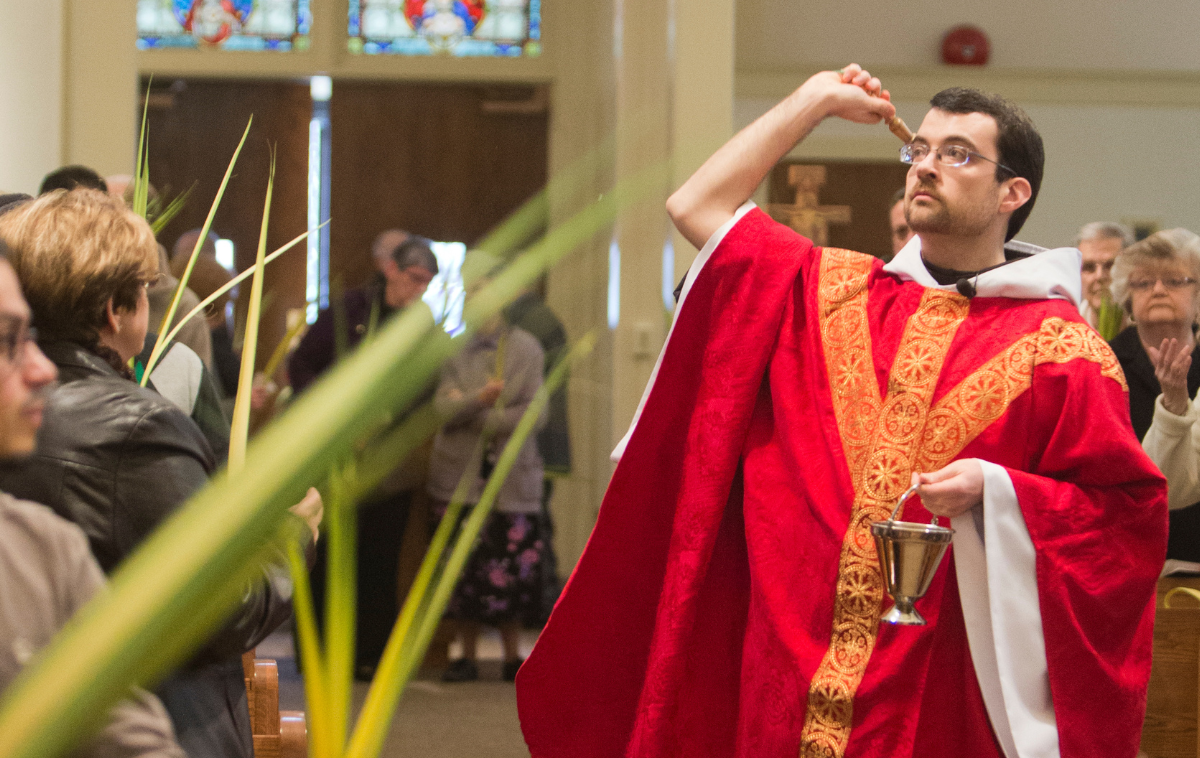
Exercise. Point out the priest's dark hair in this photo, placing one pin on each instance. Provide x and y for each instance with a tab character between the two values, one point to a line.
1017	141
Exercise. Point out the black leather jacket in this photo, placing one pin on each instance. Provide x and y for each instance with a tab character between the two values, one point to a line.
117	459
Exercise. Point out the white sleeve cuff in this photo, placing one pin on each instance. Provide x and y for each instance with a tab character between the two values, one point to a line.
997	582
1170	423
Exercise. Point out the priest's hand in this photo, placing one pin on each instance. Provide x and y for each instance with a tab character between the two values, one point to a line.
852	94
1171	360
952	490
713	194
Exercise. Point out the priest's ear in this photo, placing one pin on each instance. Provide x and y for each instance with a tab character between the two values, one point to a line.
1014	193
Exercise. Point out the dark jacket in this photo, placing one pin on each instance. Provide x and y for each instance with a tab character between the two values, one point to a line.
118	459
322	343
1183	539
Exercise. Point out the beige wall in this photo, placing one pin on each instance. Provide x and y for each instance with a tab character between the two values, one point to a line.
31	91
1025	34
100	82
1119	145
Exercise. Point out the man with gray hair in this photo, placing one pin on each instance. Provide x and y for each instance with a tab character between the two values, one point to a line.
1100	241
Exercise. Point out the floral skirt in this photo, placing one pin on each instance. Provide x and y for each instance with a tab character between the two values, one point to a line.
502	580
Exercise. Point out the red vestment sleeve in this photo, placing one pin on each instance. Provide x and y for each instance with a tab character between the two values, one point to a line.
629	610
1096	510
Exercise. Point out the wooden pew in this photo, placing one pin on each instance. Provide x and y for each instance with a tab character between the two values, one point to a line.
1172	727
277	734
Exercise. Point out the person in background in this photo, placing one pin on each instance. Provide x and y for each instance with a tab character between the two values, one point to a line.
47	572
901	231
384	245
194	333
208	276
482	394
70	177
1100	242
119	459
406	269
162	290
404	275
530	312
1155	281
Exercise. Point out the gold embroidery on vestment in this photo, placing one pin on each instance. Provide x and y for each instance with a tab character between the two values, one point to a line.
880	437
885	439
965	411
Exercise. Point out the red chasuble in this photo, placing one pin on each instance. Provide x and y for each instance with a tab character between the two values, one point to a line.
728	602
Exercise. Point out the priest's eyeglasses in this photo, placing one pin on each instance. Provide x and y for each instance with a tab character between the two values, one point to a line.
1170	282
946	155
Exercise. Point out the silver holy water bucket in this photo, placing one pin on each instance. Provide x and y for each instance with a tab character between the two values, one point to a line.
909	554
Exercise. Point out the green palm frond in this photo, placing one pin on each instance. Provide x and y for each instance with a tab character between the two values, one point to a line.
187	576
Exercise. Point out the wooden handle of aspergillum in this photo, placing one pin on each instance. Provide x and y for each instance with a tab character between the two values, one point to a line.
900	129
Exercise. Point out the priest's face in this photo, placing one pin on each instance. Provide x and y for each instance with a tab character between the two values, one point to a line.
955	201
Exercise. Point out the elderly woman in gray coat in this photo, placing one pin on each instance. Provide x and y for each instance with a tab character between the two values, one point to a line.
483	392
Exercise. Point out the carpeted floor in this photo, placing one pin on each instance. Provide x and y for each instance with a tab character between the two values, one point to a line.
434	720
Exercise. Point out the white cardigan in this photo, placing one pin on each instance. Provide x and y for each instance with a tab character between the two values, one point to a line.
1173	443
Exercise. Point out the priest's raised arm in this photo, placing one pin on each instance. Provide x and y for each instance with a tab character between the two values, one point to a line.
727	180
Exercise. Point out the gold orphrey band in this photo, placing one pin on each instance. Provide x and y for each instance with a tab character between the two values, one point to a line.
886	439
881	439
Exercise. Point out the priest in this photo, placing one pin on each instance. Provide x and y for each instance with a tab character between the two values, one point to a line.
729	600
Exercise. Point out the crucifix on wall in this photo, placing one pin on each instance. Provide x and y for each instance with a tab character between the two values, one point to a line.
807	216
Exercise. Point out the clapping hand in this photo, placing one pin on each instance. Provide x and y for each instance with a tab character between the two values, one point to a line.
1171	360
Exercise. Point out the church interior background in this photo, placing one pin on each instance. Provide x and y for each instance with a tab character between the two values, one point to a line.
445	135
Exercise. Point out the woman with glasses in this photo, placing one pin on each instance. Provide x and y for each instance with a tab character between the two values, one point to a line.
116	458
1156	282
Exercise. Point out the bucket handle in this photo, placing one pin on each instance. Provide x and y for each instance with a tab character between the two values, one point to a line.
907	494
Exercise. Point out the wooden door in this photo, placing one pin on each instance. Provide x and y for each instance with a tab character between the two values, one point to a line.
445	161
194	126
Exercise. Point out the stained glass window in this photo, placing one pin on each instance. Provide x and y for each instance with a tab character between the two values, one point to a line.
506	28
224	24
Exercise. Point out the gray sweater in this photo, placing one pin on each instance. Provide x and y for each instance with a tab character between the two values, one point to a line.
47	573
455	445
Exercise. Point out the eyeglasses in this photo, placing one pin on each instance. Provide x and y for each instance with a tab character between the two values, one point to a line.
1171	283
946	155
15	334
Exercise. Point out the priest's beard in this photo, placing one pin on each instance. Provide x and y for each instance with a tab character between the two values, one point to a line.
938	217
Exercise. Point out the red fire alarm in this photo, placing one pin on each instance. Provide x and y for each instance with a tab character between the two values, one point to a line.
965	46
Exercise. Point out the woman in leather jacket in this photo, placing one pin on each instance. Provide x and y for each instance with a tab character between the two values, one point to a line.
117	458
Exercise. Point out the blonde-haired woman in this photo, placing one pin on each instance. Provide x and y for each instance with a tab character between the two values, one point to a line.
1157	281
117	458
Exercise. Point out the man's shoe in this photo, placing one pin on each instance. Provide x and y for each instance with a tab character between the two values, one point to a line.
511	668
461	670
